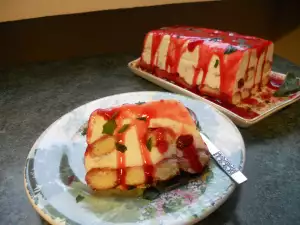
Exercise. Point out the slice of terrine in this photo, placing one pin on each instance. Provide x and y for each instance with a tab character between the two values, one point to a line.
138	145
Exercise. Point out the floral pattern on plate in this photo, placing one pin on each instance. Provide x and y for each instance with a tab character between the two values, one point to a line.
54	173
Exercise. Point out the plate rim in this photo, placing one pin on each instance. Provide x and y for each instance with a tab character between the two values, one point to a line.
204	215
238	119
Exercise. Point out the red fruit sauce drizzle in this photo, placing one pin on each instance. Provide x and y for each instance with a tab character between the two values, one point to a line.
275	82
113	114
121	162
211	42
121	171
147	111
159	134
186	144
155	44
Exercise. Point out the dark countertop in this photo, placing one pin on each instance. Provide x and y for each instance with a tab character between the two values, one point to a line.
35	95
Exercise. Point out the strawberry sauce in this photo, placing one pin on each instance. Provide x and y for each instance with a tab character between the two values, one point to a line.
275	83
185	143
139	117
228	46
161	136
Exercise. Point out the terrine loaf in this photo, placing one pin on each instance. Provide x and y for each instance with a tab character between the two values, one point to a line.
224	65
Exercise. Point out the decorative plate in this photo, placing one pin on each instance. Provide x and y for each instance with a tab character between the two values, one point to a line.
245	114
54	173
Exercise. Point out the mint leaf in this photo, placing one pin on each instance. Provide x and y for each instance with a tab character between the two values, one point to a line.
109	127
290	85
149	144
194	117
124	128
230	49
83	128
198	125
193	29
142	118
120	147
84	131
216	39
131	187
216	63
151	193
79	198
242	43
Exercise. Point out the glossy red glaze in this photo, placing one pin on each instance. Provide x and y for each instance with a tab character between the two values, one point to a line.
212	42
159	109
266	95
245	113
250	101
155	45
121	171
184	141
161	136
190	153
107	114
275	83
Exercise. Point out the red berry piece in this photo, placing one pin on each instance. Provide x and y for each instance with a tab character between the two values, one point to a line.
184	141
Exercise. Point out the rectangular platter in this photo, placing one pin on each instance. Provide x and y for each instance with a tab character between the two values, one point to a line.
245	114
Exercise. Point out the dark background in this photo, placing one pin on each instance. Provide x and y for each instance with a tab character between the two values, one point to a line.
60	37
34	95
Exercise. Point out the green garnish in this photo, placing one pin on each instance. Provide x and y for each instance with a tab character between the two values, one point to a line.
124	128
84	131
142	118
216	39
167	209
241	41
79	198
151	193
140	103
290	85
216	63
131	187
230	49
193	29
109	127
198	126
120	147
149	144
